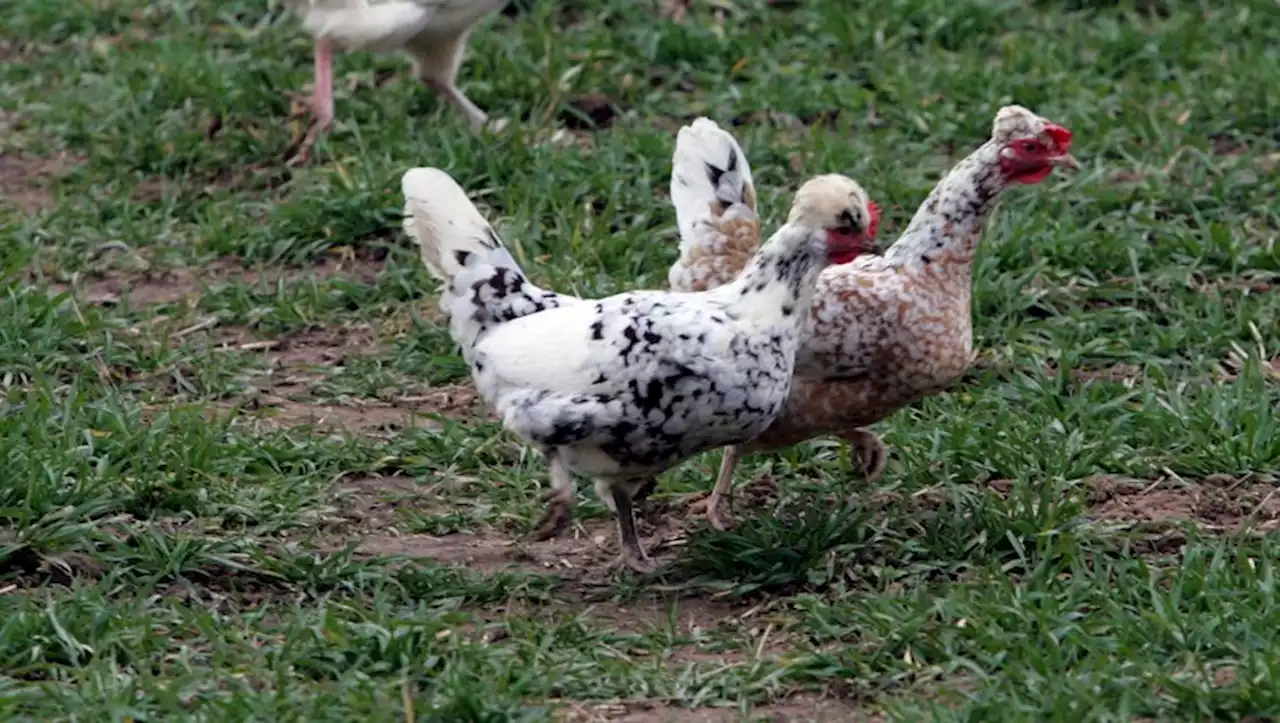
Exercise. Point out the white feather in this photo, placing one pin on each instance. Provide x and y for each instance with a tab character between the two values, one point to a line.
390	24
715	202
700	145
442	221
459	247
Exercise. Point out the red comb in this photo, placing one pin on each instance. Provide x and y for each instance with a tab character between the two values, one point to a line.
1060	135
875	217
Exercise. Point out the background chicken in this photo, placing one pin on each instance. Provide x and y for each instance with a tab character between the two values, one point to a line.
884	331
432	32
624	387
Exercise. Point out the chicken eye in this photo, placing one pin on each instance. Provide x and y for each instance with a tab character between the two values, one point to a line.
844	230
1029	146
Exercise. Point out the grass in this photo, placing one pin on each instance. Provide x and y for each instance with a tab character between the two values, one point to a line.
245	476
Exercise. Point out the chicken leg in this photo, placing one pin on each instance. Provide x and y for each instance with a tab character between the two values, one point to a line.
449	91
633	555
559	499
871	452
321	102
712	505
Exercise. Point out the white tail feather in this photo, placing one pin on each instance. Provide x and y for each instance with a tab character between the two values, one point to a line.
701	146
715	203
484	286
446	226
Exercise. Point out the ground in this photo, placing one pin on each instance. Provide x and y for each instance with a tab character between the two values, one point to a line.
245	474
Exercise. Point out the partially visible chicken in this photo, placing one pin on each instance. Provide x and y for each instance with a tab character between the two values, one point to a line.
884	331
674	10
432	32
623	388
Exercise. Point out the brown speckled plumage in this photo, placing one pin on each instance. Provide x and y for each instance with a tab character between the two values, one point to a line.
887	330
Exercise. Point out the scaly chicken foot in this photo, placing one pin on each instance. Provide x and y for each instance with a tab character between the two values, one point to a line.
633	556
559	499
716	505
870	450
450	93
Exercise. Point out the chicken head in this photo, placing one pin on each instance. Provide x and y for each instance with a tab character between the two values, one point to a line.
838	205
1031	147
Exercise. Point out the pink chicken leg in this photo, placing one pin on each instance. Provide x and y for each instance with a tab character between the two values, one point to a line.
322	90
321	102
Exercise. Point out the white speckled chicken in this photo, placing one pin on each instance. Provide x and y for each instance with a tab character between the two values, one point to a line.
432	32
883	331
622	388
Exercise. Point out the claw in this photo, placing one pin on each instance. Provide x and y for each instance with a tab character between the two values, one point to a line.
714	511
871	452
643	564
555	520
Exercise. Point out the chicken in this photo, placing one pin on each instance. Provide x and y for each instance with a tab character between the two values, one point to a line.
432	32
884	330
622	388
674	10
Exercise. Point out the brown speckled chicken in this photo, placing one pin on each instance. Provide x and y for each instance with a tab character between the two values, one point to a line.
885	330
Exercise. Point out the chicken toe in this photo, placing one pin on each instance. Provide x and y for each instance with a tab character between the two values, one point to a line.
559	501
555	520
871	452
715	509
447	90
715	505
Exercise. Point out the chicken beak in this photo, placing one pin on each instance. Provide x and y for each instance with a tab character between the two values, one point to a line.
1066	160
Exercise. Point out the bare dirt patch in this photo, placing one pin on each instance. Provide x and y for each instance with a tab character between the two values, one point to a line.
804	707
581	549
322	347
1219	503
588	552
457	401
173	286
1127	374
372	502
591	111
24	180
356	417
297	363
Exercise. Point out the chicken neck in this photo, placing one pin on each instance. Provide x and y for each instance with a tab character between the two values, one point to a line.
780	280
947	227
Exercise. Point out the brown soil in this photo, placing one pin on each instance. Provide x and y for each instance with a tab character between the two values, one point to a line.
801	708
589	112
1219	503
357	418
172	286
296	363
1124	373
326	347
24	180
587	552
